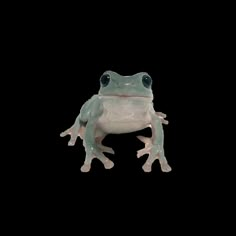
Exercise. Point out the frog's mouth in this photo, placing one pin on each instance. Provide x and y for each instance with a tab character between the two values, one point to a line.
126	96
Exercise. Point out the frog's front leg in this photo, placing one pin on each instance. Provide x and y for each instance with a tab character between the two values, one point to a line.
74	131
93	148
154	147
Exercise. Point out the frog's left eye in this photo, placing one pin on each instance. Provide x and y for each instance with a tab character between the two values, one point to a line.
147	81
104	80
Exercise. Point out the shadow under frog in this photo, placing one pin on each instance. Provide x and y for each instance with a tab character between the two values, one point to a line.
123	104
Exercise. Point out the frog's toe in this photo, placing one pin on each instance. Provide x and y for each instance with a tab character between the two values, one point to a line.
147	167
142	152
147	148
165	167
106	149
85	168
71	143
110	150
108	164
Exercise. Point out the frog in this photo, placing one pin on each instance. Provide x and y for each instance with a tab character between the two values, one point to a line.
124	104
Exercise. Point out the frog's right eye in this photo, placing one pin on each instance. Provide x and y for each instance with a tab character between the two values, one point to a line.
104	80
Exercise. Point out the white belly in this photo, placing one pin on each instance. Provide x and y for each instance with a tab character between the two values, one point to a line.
124	115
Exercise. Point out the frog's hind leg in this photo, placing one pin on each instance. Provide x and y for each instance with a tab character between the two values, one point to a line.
99	136
97	153
147	167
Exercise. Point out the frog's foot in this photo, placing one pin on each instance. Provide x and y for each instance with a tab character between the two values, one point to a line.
147	148
162	117
153	154
96	153
108	164
74	131
147	167
102	147
105	149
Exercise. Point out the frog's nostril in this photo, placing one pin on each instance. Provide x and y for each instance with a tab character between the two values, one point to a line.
129	84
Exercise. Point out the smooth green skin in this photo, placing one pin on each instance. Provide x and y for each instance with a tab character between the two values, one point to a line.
86	125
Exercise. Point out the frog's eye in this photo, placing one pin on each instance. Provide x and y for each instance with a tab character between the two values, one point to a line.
147	81
104	80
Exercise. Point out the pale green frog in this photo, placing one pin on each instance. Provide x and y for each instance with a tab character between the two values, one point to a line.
123	104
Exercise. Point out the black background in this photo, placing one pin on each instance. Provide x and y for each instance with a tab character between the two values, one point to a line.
66	55
61	52
72	57
73	64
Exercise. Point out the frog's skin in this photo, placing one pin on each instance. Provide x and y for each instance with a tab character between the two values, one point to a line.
122	105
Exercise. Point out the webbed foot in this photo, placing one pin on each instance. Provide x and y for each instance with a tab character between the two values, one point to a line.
96	153
102	147
162	116
154	153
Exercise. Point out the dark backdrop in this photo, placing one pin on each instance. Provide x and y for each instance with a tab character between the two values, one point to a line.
73	64
61	55
71	53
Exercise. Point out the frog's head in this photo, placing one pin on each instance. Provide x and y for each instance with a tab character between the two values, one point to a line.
137	85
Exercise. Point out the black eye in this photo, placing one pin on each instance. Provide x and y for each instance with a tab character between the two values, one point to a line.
147	81
105	79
